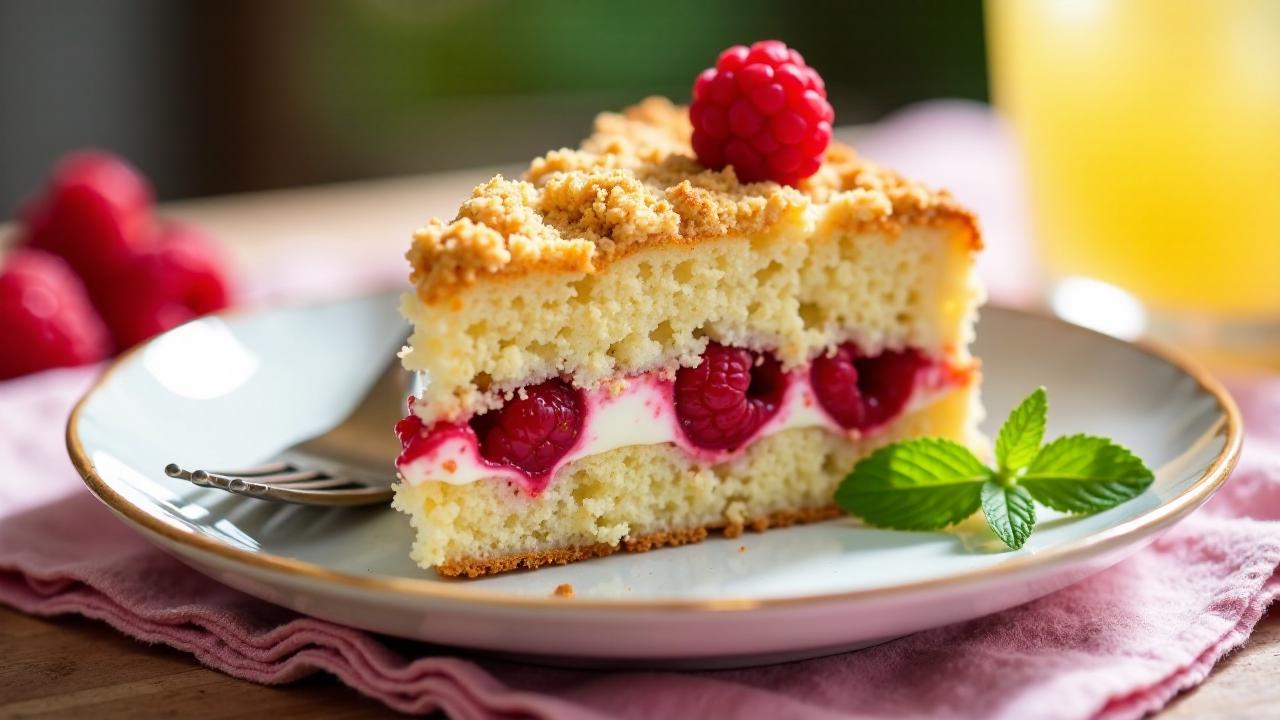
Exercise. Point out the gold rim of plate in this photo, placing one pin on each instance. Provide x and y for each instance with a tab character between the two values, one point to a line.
1174	509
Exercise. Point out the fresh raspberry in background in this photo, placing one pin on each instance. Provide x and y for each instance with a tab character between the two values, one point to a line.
763	111
143	276
535	431
177	278
728	396
95	213
45	317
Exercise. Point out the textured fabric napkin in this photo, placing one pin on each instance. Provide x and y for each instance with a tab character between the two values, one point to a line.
1117	645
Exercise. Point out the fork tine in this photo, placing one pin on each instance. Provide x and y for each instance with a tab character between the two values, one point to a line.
255	471
298	480
348	492
240	486
355	496
319	483
282	478
306	487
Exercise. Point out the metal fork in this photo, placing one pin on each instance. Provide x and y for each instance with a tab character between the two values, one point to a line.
348	465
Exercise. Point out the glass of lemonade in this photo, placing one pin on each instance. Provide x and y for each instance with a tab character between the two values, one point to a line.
1150	133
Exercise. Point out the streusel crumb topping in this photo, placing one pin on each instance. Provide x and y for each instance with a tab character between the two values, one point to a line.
635	182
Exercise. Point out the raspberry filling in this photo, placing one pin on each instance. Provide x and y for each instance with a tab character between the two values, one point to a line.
418	441
534	431
861	392
531	434
723	401
712	411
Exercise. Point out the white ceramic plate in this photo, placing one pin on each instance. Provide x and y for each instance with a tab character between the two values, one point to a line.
229	391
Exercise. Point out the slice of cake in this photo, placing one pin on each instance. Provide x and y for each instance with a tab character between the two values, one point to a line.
626	350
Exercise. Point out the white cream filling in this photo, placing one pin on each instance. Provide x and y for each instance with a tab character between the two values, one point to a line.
639	411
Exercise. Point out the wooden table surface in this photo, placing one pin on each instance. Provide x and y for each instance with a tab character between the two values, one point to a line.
73	667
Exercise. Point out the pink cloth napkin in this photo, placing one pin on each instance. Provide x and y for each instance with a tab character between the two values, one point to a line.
1117	645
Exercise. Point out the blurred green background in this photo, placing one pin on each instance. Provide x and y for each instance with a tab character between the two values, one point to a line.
216	97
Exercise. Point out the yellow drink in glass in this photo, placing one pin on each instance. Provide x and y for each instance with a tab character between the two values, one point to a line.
1150	131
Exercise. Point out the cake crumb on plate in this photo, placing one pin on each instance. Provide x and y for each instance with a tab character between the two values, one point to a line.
564	590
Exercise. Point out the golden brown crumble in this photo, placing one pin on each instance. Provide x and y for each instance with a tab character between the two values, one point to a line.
634	182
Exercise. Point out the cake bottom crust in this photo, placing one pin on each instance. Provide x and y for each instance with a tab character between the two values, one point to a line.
477	567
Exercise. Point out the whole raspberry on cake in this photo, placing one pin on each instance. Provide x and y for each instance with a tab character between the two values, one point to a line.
629	348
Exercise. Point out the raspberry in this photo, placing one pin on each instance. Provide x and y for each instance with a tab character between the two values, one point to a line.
94	213
177	279
731	393
763	111
861	393
416	439
534	432
45	318
409	427
835	382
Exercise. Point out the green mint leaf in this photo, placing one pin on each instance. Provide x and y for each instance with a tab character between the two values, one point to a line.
1020	436
922	484
1009	512
1085	474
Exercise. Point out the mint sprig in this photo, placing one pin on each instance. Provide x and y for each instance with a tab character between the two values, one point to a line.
924	484
1020	437
1009	512
930	483
1084	474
